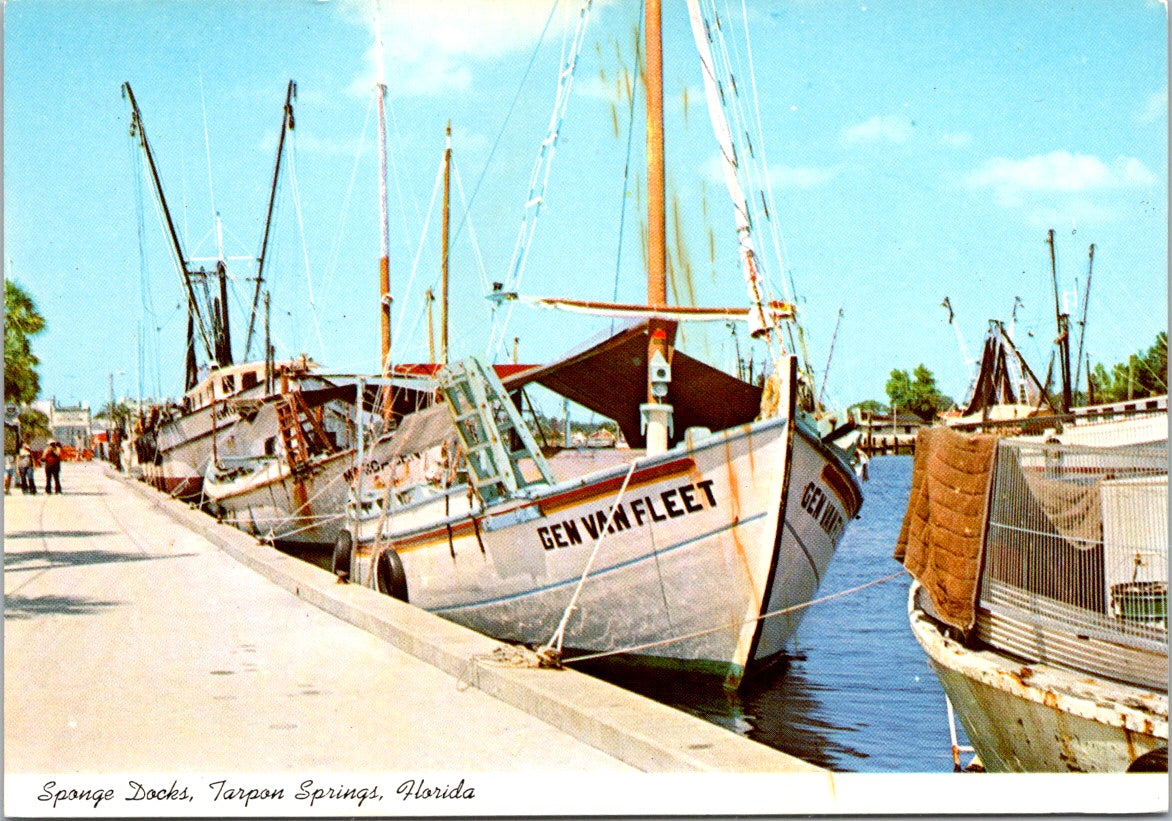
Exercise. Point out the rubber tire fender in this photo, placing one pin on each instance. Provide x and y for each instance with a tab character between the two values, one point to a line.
390	576
342	549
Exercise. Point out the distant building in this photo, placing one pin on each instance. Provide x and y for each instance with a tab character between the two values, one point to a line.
71	425
883	433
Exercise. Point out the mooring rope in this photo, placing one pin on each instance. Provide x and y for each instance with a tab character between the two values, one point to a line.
762	617
559	634
516	655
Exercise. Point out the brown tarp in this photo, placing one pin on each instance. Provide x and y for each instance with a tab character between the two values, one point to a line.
608	375
943	530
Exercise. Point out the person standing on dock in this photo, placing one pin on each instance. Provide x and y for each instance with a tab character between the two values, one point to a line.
24	464
52	460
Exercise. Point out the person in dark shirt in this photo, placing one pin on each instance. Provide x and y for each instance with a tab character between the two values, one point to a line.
52	459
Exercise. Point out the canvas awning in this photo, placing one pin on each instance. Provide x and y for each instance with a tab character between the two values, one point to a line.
609	376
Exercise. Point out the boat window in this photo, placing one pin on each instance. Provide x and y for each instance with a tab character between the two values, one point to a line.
228	384
248	379
271	446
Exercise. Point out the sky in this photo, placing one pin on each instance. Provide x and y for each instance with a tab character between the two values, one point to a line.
913	151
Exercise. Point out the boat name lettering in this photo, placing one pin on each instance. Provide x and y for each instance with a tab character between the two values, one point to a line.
670	504
369	468
816	503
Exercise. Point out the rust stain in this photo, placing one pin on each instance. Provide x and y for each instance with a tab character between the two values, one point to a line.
735	510
1131	754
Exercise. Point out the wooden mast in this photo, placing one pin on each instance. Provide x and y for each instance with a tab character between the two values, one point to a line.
384	265
656	211
661	334
444	246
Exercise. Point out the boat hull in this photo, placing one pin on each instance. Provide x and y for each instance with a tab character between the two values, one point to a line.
1041	718
275	503
705	540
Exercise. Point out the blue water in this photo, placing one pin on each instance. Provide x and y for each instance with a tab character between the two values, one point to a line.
857	694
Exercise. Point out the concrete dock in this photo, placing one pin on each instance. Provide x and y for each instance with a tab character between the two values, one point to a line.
142	636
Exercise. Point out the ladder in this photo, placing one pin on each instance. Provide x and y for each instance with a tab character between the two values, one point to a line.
488	425
301	431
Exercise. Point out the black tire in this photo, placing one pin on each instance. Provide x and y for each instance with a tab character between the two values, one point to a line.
1155	761
342	548
390	576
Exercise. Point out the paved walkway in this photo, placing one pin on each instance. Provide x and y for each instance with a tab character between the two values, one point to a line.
132	644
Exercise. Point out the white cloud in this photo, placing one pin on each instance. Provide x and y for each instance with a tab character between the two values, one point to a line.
1059	171
785	176
782	176
891	128
1155	107
432	47
959	139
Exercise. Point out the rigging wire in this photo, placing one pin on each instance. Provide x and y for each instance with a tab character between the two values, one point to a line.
207	143
539	176
464	201
415	263
627	164
304	245
336	251
508	115
145	295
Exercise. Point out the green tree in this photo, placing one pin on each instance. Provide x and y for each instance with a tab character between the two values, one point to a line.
21	320
917	393
33	424
1143	374
869	406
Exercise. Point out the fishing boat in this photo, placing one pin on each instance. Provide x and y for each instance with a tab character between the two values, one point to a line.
694	548
235	411
1041	593
278	471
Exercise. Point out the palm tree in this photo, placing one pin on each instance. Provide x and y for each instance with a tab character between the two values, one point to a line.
21	320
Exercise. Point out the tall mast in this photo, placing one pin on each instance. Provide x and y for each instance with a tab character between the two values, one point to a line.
656	212
194	317
1063	321
286	125
384	264
1082	325
657	413
444	247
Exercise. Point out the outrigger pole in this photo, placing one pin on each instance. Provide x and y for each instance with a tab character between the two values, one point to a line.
194	317
1063	321
286	125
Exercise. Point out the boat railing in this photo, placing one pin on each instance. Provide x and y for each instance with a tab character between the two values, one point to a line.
1076	558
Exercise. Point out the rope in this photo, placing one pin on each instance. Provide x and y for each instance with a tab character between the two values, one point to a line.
548	649
503	655
627	164
321	346
439	177
762	617
508	115
539	176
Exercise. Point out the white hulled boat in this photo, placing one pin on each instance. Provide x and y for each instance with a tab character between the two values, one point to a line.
1041	598
693	548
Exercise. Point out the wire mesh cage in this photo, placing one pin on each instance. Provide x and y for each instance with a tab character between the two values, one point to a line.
1076	553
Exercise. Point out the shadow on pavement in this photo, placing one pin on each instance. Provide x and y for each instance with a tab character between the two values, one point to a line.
59	534
23	607
16	562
